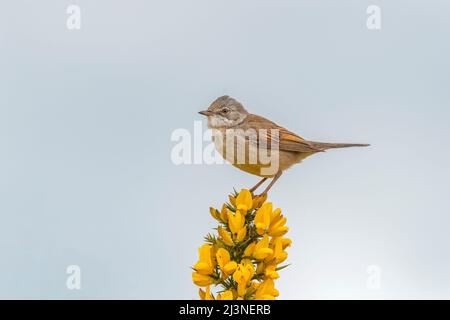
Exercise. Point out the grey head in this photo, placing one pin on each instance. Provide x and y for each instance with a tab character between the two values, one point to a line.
225	112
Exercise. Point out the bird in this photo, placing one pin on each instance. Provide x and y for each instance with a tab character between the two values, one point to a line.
242	138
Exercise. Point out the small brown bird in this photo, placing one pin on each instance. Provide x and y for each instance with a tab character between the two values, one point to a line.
257	145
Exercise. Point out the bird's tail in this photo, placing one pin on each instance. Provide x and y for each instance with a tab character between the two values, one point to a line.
325	145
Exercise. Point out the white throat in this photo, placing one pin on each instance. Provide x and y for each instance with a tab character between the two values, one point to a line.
215	122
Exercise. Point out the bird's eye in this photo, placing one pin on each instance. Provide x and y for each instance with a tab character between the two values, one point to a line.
225	110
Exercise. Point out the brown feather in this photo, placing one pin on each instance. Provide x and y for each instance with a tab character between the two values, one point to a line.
287	140
325	145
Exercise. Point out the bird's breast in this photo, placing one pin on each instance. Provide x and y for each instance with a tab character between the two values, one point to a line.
246	155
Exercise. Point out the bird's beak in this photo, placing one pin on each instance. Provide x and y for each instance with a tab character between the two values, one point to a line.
206	113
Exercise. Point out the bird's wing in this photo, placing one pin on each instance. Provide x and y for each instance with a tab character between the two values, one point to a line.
272	132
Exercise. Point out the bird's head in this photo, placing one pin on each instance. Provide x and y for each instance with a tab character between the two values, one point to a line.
225	112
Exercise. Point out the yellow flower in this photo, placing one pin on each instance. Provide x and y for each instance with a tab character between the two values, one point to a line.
201	279
258	201
277	226
244	201
275	215
235	222
205	264
201	293
254	285
266	290
270	272
223	260
232	200
286	242
223	257
226	238
205	295
241	234
243	275
223	215
220	216
226	295
229	268
248	252
260	268
242	260
214	213
278	255
262	218
262	249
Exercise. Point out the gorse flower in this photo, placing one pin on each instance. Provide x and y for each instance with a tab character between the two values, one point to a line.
266	290
243	275
244	201
204	267
225	236
262	218
223	260
244	258
236	223
262	250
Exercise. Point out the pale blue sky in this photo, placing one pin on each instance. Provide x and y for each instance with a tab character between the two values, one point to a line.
86	118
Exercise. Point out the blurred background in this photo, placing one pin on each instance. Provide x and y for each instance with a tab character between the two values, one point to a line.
86	117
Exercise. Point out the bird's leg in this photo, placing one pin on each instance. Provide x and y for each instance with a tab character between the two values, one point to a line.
275	178
257	185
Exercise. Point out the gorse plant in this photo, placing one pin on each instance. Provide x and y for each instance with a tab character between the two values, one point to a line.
244	257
